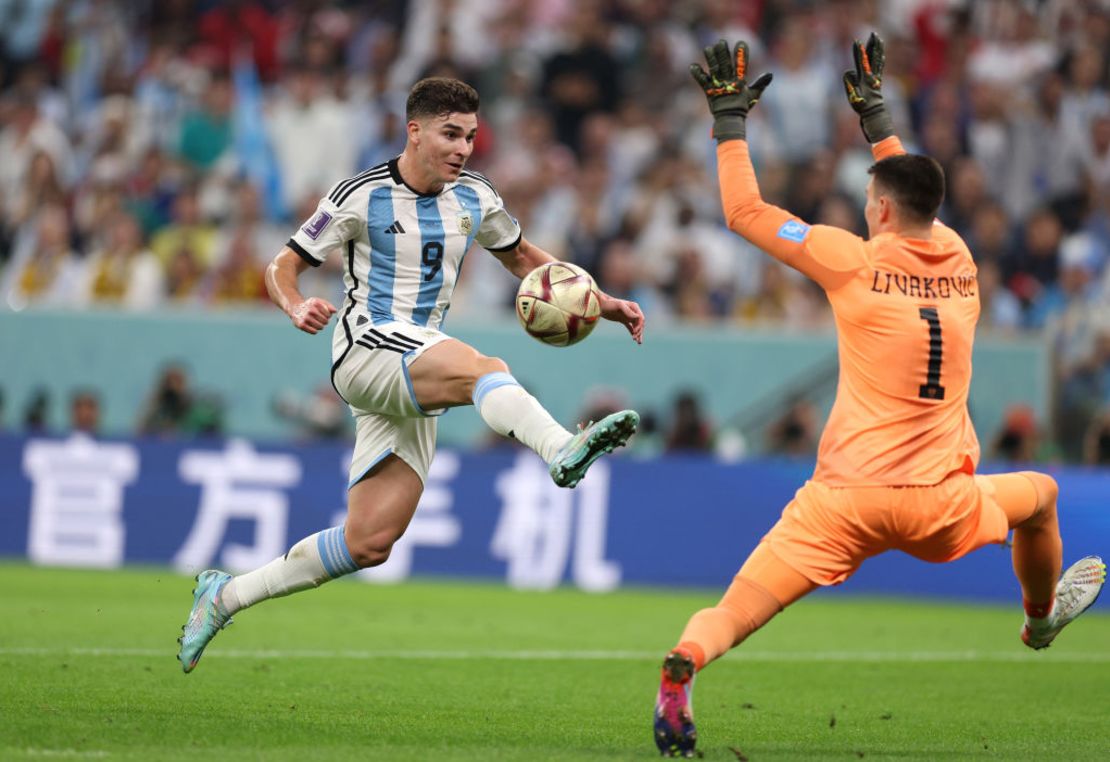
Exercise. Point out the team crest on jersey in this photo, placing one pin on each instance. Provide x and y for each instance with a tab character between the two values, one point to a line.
314	227
466	223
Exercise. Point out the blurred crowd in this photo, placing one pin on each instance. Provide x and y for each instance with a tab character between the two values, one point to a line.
159	154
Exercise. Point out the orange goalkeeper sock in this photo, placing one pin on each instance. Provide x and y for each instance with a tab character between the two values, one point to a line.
710	633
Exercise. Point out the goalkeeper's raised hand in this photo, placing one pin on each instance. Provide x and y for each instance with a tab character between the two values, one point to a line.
727	89
864	84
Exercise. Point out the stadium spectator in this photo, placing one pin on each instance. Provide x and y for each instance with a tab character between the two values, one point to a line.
239	280
310	130
581	77
84	412
795	433
319	415
801	135
187	232
170	405
206	128
41	187
44	269
36	414
1096	442
688	429
123	272
1036	261
1018	441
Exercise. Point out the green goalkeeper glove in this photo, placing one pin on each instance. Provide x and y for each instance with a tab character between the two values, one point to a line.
729	94
864	89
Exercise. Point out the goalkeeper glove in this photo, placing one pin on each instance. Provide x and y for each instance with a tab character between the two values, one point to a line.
729	94
864	89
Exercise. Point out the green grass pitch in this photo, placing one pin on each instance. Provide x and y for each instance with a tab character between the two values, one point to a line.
462	671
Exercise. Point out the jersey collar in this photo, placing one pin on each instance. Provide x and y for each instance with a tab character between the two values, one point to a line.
395	173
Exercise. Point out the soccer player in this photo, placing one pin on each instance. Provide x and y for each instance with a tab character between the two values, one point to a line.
896	463
403	228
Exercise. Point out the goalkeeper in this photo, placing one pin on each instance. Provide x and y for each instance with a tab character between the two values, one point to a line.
897	459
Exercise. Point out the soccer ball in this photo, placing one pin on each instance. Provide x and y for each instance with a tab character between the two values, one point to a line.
557	303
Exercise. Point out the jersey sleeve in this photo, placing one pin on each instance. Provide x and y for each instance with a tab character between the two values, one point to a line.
329	228
828	255
498	230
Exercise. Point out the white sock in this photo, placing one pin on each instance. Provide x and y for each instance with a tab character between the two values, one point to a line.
512	412
311	562
1040	623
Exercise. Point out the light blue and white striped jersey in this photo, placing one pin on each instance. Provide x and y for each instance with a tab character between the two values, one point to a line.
402	249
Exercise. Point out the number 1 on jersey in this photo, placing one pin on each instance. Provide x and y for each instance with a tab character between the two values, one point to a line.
931	389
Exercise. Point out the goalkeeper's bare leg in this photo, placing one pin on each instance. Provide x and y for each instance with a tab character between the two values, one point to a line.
1051	601
764	586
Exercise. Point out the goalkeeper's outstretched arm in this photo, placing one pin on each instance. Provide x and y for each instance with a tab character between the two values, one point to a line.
771	228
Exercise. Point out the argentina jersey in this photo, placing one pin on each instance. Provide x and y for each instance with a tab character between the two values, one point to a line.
402	249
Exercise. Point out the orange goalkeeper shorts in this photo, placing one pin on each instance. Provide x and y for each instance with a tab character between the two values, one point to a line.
825	533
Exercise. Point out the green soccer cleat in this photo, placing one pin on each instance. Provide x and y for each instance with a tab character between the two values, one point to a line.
1076	592
205	619
590	443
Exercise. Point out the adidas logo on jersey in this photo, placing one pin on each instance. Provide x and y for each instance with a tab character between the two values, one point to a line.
395	228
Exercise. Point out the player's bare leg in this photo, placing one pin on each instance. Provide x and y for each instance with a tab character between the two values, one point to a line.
379	508
763	587
453	373
1051	601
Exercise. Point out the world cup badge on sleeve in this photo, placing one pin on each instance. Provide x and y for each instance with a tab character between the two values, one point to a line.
314	227
466	223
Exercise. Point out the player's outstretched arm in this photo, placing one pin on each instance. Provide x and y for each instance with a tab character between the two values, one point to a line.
864	87
526	256
309	315
826	254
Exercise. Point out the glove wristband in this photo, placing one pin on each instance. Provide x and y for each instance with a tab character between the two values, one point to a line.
732	126
876	124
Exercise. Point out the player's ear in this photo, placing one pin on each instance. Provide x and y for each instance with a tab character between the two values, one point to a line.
886	208
413	130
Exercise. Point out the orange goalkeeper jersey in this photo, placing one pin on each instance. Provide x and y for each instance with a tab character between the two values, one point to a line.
905	313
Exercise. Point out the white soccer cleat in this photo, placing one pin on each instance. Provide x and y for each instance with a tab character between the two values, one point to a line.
1076	591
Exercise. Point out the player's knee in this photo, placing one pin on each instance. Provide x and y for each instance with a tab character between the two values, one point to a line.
1048	491
491	365
372	549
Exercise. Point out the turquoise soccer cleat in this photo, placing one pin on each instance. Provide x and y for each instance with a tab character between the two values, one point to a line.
1076	592
205	619
590	443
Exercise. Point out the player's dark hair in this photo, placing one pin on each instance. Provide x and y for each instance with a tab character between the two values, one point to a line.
916	182
439	96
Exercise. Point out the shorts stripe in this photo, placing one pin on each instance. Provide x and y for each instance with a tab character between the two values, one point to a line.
366	470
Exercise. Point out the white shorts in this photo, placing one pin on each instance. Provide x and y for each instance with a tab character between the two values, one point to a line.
373	377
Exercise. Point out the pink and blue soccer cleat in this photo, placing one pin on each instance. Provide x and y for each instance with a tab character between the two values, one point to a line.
675	734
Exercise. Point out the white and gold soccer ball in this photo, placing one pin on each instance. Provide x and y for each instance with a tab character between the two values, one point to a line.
557	303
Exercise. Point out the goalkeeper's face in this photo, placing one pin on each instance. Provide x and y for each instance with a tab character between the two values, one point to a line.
443	144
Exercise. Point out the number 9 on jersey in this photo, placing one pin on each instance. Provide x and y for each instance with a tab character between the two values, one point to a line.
557	304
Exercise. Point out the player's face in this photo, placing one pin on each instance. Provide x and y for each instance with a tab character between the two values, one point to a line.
445	144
